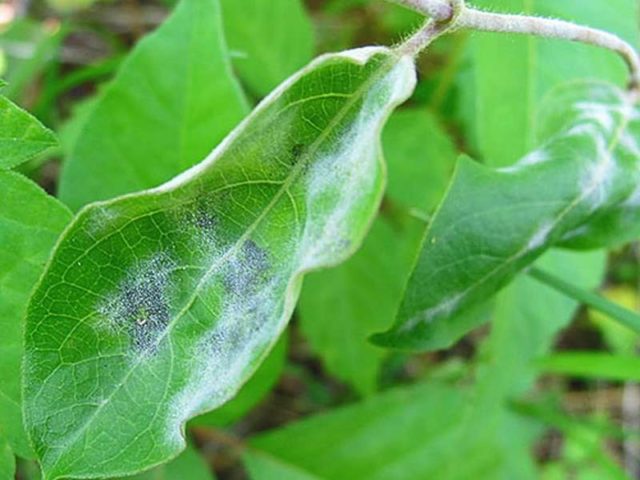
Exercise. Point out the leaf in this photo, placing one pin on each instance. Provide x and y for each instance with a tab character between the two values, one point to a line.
157	306
592	365
364	292
22	136
7	460
24	69
513	89
494	223
252	392
189	465
30	222
392	435
271	39
153	122
266	467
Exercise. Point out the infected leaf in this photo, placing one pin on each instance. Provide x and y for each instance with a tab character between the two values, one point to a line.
579	189
157	306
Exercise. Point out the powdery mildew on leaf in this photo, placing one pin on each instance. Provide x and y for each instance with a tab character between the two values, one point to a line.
140	306
158	306
577	190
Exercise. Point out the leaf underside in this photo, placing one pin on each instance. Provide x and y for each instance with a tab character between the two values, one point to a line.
578	190
157	306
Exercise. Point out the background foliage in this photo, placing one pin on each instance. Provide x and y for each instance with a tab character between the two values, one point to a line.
545	390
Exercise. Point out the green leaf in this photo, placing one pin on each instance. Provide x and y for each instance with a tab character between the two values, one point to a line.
172	101
252	392
592	365
494	223
270	39
418	173
502	99
43	43
262	466
400	434
22	136
157	306
7	460
189	465
30	222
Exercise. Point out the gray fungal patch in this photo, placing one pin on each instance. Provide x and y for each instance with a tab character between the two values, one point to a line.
140	307
198	225
202	218
297	152
248	269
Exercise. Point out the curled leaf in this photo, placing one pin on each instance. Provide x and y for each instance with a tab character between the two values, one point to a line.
157	306
580	189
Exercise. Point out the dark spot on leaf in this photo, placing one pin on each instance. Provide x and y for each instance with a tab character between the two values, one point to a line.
296	152
248	270
141	307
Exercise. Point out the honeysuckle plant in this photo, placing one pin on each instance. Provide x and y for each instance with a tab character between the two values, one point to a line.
177	273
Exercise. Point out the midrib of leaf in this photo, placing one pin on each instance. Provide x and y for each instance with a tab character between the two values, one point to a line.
623	123
382	69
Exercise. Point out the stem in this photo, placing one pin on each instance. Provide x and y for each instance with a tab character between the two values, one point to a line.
455	14
440	10
624	316
423	37
444	19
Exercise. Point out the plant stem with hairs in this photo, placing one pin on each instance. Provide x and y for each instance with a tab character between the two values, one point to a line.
449	15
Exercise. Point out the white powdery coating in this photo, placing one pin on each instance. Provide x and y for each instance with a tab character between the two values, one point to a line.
140	306
598	178
599	114
345	172
534	158
540	236
102	219
634	199
630	144
334	175
226	354
255	308
444	308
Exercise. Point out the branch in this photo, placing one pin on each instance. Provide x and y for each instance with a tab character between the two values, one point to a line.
455	14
